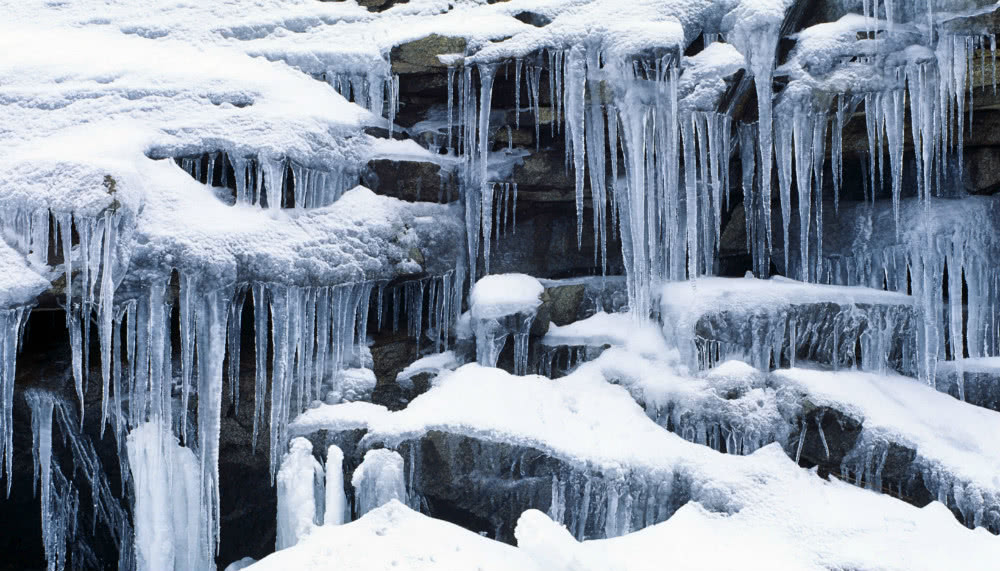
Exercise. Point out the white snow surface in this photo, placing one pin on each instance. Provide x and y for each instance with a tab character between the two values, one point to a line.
499	295
394	537
336	418
20	283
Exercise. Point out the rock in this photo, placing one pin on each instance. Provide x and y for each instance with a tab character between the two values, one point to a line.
413	181
982	170
563	305
533	18
420	56
546	169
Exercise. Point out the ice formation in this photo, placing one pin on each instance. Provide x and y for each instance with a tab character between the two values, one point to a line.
378	480
301	494
778	320
158	206
501	306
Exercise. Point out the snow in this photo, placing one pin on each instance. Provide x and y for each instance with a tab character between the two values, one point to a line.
336	418
20	283
395	537
501	295
599	429
362	236
616	329
434	363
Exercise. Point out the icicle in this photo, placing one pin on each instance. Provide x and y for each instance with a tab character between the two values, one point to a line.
210	343
187	333
575	118
337	510
486	74
451	104
517	92
260	312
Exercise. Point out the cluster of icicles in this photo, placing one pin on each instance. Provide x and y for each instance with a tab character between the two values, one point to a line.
312	333
669	205
256	178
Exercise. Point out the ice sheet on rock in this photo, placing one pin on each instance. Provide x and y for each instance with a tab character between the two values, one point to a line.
394	536
955	453
716	318
301	494
973	380
378	480
336	418
861	247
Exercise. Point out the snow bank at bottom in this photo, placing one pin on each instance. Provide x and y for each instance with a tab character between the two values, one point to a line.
395	537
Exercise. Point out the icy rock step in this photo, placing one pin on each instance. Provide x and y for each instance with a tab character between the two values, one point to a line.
976	380
772	323
915	442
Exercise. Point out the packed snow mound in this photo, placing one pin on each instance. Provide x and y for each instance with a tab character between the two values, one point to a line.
500	295
395	537
771	539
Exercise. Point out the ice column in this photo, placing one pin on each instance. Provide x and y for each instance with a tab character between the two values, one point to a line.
300	487
379	479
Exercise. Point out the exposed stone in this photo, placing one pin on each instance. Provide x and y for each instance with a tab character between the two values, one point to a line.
420	56
982	170
413	181
533	18
563	306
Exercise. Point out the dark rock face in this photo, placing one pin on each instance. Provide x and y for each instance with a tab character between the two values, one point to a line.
982	170
421	56
413	181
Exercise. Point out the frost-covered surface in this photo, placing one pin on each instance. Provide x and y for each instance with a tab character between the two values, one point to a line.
953	440
778	320
396	537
